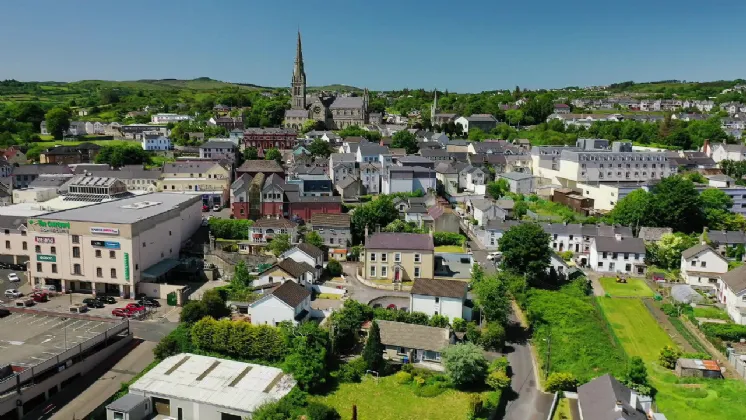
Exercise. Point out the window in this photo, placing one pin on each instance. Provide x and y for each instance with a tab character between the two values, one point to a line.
384	271
417	272
437	299
76	252
397	257
54	268
331	241
53	250
118	416
7	231
384	257
694	263
401	351
626	256
37	248
417	258
372	270
76	239
7	244
112	254
113	273
600	263
99	272
25	246
23	233
627	268
703	264
143	244
373	257
76	269
98	253
38	267
605	255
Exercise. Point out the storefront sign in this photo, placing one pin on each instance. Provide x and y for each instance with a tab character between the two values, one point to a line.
126	266
46	258
106	244
105	231
50	226
44	240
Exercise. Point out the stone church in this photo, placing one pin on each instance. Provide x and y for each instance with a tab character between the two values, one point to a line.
336	112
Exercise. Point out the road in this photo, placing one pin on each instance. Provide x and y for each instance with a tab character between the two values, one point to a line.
361	292
152	330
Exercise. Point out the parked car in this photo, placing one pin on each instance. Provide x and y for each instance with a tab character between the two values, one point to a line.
133	307
122	312
149	301
13	293
205	208
493	256
107	299
216	207
93	303
13	277
40	297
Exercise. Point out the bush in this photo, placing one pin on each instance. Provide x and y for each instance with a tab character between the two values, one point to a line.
498	380
668	356
239	339
459	324
566	255
429	391
403	377
409	368
437	320
560	381
334	268
448	238
352	371
465	364
669	309
499	365
193	311
493	336
419	381
473	334
725	332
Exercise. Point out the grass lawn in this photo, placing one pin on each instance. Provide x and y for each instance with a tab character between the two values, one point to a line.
52	143
387	400
710	312
635	328
633	287
449	248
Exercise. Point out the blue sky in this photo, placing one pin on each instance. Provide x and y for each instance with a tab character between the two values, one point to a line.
461	46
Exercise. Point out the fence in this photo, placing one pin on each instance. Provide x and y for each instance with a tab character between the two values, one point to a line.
739	362
553	407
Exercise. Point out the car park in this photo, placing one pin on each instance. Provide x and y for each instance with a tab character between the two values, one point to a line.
13	277
122	312
107	299
13	293
133	307
93	303
149	302
24	302
40	297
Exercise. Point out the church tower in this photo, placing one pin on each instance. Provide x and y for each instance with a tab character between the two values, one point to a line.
434	106
299	79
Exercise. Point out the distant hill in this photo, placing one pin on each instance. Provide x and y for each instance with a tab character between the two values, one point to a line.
339	88
202	83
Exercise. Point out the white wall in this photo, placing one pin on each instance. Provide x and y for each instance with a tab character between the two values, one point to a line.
271	311
620	263
450	307
713	263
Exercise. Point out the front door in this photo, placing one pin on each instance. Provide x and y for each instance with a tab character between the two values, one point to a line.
397	274
162	406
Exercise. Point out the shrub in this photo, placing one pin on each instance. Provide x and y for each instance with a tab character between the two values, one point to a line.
566	255
560	381
448	238
668	356
419	380
669	309
352	371
726	332
499	364
409	368
498	380
429	391
403	377
465	364
493	336
459	324
334	268
473	334
440	321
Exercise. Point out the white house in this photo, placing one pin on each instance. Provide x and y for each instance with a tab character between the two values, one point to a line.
167	118
701	265
482	210
472	179
731	291
722	151
440	297
618	255
155	141
370	177
306	253
284	271
288	302
519	182
559	265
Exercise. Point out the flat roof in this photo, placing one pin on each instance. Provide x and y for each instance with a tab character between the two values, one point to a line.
31	337
126	210
218	382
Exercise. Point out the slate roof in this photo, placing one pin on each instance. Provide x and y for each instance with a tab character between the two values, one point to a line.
330	220
370	149
218	144
516	176
347	102
343	157
296	113
311	250
413	336
188	167
481	117
481	204
607	244
291	293
400	241
735	279
445	168
697	249
12	222
598	398
441	288
653	234
260	166
346	181
294	268
727	237
274	223
41	169
241	182
127	403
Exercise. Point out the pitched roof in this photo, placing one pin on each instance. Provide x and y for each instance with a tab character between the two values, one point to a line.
695	250
260	166
516	176
408	241
735	279
330	220
294	268
445	168
41	169
291	293
598	398
347	181
442	288
481	204
653	233
188	167
311	250
274	223
611	244
347	102
414	336
216	144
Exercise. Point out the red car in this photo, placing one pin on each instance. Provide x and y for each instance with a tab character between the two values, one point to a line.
133	307
122	312
40	297
205	208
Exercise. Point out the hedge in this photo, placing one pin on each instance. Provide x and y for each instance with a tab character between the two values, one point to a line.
239	339
448	238
725	332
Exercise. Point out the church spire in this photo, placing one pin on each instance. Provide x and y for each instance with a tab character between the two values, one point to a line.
299	79
298	68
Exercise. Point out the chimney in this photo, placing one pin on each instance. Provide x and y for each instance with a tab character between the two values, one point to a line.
618	406
706	146
633	399
366	231
618	236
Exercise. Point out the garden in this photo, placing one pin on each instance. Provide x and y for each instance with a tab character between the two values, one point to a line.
629	287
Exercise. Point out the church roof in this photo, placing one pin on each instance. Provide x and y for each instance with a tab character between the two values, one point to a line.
296	113
347	102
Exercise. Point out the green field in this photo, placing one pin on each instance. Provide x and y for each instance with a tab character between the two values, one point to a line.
52	143
384	399
710	312
449	248
681	399
633	287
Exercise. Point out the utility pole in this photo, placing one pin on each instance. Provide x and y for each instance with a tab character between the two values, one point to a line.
549	354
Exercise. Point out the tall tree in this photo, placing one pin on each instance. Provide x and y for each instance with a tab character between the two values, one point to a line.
634	210
373	351
279	244
58	121
492	296
320	148
312	237
677	205
273	154
376	213
406	140
241	275
250	153
526	250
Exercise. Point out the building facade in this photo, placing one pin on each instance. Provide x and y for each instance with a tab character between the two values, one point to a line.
398	256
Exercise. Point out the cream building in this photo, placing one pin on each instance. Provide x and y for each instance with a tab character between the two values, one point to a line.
398	256
112	246
207	179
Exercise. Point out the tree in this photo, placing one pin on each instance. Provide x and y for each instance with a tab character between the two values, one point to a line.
314	238
334	268
307	358
168	346
376	213
465	364
273	154
373	350
352	131
633	210
241	276
279	244
492	297
525	249
560	381
676	204
120	155
476	134
666	253
215	304
58	121
193	311
716	205
439	321
493	336
499	188
250	153
405	140
320	148
668	357
498	380
637	373
514	116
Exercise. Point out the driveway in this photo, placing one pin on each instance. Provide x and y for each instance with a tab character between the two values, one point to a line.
361	292
594	276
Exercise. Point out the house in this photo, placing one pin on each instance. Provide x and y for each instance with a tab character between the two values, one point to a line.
299	207
561	109
482	210
240	196
618	255
268	138
165	118
229	123
440	297
407	179
484	122
309	254
723	151
23	175
370	152
558	264
218	149
701	265
349	188
287	303
696	368
519	182
731	292
208	179
286	270
444	219
472	179
14	155
82	153
653	234
447	175
264	230
155	141
266	167
335	231
412	343
605	398
398	256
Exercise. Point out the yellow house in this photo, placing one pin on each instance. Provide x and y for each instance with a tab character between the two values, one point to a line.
209	179
398	256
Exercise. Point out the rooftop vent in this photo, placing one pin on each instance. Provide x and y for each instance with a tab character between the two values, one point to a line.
141	205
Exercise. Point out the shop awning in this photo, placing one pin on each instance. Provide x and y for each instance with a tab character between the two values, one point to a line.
161	268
